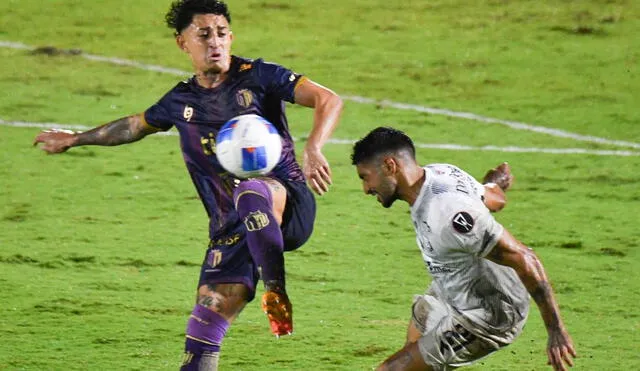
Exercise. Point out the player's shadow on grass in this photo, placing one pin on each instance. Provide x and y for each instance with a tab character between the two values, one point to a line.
81	153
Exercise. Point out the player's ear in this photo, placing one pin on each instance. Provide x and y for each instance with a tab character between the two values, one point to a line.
389	165
181	43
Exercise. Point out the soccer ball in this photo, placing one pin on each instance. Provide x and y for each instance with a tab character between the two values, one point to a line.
248	146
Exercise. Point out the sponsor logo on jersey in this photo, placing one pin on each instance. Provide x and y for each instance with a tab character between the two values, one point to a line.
244	67
462	222
438	268
208	144
256	221
244	98
225	241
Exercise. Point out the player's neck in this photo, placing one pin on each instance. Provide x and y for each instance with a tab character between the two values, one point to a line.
210	79
413	179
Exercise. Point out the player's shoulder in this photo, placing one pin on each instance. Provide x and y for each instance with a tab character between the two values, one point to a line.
259	65
184	86
444	169
244	65
178	92
453	217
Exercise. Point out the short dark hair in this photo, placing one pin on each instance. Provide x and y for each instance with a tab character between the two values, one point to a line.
181	12
379	141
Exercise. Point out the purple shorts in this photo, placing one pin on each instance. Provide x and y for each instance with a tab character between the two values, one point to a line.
227	259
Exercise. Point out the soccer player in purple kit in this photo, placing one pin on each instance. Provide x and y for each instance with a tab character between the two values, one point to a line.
252	222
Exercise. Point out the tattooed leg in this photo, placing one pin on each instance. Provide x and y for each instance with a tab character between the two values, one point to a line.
216	307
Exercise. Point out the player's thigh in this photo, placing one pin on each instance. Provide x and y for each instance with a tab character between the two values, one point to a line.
278	197
299	215
426	313
226	299
449	345
228	276
413	334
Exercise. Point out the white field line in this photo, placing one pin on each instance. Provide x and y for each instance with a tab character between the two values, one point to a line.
386	103
451	147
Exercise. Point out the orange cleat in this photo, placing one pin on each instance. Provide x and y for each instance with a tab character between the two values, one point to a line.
500	175
278	309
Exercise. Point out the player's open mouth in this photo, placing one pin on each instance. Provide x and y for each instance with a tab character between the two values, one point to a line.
215	56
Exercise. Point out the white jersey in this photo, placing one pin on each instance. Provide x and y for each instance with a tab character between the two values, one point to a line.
455	231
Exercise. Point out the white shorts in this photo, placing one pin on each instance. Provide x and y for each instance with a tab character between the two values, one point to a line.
447	340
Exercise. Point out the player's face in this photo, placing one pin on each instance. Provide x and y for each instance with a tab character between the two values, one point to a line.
207	40
377	182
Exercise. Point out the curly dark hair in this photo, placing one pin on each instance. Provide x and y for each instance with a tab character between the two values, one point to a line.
381	140
181	12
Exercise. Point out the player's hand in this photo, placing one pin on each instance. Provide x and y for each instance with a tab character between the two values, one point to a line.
317	170
55	140
560	350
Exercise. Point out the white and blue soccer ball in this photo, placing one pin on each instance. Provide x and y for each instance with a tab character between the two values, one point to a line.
248	146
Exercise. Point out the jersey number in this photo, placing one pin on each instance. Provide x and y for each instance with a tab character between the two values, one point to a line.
456	339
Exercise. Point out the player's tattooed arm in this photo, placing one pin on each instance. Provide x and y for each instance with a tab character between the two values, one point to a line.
125	130
512	253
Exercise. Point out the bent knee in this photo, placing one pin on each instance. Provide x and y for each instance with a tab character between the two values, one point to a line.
228	300
494	197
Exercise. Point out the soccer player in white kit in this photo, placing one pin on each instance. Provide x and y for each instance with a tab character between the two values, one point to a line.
478	300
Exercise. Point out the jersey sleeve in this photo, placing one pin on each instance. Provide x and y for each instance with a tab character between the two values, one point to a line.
473	228
158	115
278	80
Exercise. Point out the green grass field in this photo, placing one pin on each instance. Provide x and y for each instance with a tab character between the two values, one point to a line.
100	248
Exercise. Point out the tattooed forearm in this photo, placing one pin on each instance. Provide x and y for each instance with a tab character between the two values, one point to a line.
543	296
541	292
125	130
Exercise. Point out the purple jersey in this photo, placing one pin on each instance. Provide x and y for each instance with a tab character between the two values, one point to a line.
252	86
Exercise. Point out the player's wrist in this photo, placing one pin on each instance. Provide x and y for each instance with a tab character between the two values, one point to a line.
312	147
74	139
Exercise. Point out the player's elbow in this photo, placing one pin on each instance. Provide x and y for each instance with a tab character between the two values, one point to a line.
494	197
333	101
531	272
495	205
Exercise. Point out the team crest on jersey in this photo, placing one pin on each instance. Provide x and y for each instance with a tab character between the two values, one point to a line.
462	222
244	67
256	221
244	98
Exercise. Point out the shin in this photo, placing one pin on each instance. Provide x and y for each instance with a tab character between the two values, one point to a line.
205	331
254	205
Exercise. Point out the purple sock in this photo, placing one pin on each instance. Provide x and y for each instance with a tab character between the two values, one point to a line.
264	237
205	331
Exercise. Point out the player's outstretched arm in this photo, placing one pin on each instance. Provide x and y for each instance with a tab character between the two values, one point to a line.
125	130
327	107
514	254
